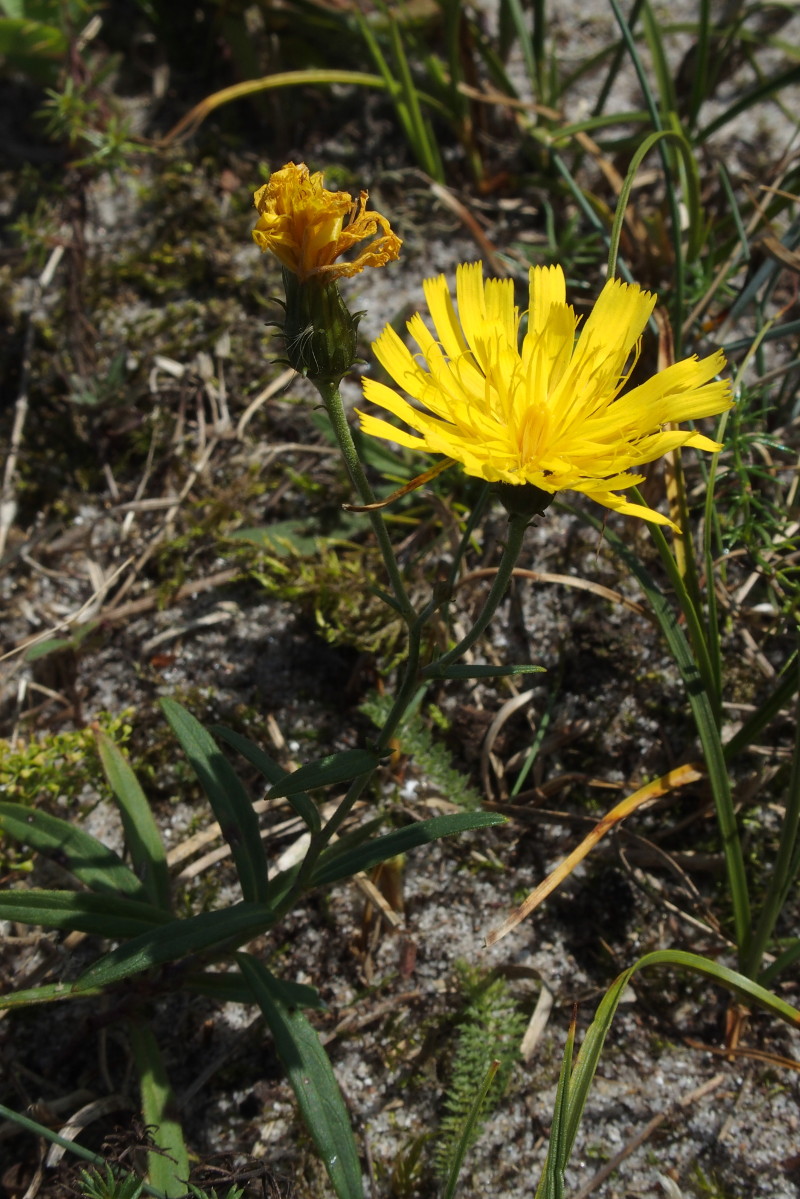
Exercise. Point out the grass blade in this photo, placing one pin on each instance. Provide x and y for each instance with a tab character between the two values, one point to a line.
698	679
763	90
703	75
592	1047
423	141
311	1075
558	1150
672	198
785	868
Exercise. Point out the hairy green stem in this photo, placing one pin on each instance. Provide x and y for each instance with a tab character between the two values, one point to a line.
405	694
784	872
692	616
407	690
517	524
334	407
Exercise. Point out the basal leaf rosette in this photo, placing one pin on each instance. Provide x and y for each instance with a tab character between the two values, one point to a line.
549	411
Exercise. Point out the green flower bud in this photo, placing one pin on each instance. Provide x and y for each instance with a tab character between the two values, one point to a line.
523	499
320	332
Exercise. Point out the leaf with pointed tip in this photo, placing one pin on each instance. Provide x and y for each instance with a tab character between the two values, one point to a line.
93	863
311	1076
302	804
228	798
337	863
326	772
194	934
111	916
141	831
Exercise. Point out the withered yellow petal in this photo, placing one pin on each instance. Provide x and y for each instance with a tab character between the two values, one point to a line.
308	227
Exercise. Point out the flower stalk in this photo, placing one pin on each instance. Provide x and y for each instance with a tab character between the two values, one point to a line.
334	407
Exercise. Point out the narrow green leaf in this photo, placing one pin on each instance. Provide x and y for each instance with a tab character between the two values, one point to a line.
697	678
311	1075
195	934
330	771
54	1138
463	671
228	798
661	68
552	1185
515	12
230	987
302	804
423	140
52	993
787	957
94	864
41	1130
335	865
141	831
109	916
594	1040
765	89
168	1169
42	649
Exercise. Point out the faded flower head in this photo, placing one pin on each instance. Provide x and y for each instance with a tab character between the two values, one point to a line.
308	227
548	411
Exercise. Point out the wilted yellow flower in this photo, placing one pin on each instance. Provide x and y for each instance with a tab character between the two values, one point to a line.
546	411
308	227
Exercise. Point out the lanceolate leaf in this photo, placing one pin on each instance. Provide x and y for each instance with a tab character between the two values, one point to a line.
81	911
326	772
230	987
310	1072
303	805
169	1168
93	863
141	831
228	798
195	934
335	865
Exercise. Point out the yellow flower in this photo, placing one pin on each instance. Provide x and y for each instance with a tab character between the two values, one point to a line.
308	227
547	410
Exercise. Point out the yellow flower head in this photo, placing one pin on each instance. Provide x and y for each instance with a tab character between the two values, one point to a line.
308	227
546	411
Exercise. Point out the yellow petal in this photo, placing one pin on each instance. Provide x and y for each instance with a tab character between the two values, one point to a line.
548	412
